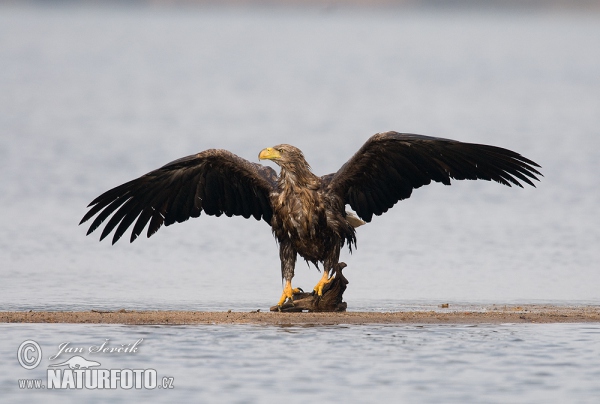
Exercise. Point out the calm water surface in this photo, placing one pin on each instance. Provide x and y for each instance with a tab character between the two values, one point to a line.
440	363
93	97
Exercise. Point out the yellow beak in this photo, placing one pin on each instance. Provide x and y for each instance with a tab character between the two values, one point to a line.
269	154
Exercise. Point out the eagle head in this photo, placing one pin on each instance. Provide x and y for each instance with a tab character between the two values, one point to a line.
283	155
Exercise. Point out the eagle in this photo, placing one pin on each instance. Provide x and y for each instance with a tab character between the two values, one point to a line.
307	213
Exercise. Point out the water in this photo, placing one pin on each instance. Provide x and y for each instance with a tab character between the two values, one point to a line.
92	97
241	363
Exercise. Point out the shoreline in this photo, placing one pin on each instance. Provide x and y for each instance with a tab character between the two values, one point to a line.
544	314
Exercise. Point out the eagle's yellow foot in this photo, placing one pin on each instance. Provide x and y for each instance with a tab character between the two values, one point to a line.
288	293
325	279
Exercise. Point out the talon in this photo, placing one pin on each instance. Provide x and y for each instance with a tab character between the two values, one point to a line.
288	293
325	279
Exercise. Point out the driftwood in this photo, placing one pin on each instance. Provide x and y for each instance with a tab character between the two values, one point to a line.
330	301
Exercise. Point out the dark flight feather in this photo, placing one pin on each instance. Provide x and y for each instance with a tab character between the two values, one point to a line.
213	181
390	165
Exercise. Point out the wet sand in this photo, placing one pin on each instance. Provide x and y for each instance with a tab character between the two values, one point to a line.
493	314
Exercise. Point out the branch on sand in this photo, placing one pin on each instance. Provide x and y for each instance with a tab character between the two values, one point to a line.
330	301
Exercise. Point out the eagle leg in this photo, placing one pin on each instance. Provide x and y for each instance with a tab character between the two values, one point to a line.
288	293
325	279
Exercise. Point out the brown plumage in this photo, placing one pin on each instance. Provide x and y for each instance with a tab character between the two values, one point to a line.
306	212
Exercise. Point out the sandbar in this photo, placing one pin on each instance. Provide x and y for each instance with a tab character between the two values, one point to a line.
446	314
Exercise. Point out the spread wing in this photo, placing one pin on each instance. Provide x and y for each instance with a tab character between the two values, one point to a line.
213	181
390	165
